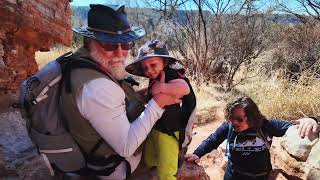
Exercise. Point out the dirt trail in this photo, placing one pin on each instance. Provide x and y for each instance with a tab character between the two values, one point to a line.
213	161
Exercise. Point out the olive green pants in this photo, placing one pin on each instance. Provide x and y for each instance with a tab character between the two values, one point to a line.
162	150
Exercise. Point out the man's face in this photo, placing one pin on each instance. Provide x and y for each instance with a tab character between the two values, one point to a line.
239	120
110	56
152	67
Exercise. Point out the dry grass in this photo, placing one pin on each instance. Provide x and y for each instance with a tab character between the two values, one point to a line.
210	103
42	58
278	98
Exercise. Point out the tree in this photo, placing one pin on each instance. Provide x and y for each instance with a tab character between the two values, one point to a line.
306	7
216	39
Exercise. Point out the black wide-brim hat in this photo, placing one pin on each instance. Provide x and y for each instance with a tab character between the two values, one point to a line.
109	23
150	49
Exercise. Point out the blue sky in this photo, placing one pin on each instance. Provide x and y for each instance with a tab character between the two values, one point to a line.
263	3
87	2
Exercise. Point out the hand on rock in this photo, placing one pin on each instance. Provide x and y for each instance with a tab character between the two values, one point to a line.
192	158
308	127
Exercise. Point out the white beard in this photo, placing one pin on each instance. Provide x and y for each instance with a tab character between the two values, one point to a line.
117	71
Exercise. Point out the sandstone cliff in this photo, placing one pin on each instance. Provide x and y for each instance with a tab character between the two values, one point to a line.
28	26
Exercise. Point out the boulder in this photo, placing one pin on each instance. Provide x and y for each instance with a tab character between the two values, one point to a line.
277	174
18	156
313	174
295	146
313	161
296	158
191	171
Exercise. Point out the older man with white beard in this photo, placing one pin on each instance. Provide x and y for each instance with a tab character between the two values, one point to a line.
104	115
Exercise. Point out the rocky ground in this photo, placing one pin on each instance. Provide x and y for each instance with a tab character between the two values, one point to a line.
19	158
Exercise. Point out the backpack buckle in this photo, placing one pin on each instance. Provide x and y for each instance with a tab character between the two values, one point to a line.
34	102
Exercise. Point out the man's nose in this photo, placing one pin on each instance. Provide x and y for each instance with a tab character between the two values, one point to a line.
118	52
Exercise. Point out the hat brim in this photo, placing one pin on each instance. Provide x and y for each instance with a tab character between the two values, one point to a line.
130	36
136	69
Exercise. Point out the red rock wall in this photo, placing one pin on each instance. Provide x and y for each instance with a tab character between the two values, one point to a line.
28	26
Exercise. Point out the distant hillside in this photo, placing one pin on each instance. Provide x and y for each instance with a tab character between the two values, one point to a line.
285	19
150	16
79	15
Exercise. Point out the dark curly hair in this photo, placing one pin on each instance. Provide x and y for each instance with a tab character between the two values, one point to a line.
251	109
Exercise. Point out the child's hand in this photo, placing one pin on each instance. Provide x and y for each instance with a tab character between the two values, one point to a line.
192	158
159	86
308	127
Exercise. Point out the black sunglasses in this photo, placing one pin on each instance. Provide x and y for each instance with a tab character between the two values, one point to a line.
239	119
115	46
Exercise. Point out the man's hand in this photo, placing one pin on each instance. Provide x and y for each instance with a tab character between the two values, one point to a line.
166	99
192	158
308	127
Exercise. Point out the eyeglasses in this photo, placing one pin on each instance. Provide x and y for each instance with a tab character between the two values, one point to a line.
239	119
114	47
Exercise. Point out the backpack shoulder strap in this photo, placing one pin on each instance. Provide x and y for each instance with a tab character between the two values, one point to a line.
189	104
230	132
264	138
69	63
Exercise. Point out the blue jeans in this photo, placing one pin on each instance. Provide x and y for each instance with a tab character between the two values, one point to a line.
228	175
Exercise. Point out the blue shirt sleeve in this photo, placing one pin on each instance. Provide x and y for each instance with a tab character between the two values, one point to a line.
213	141
277	127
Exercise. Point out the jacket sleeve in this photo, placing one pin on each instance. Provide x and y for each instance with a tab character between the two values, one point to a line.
213	141
277	127
102	103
